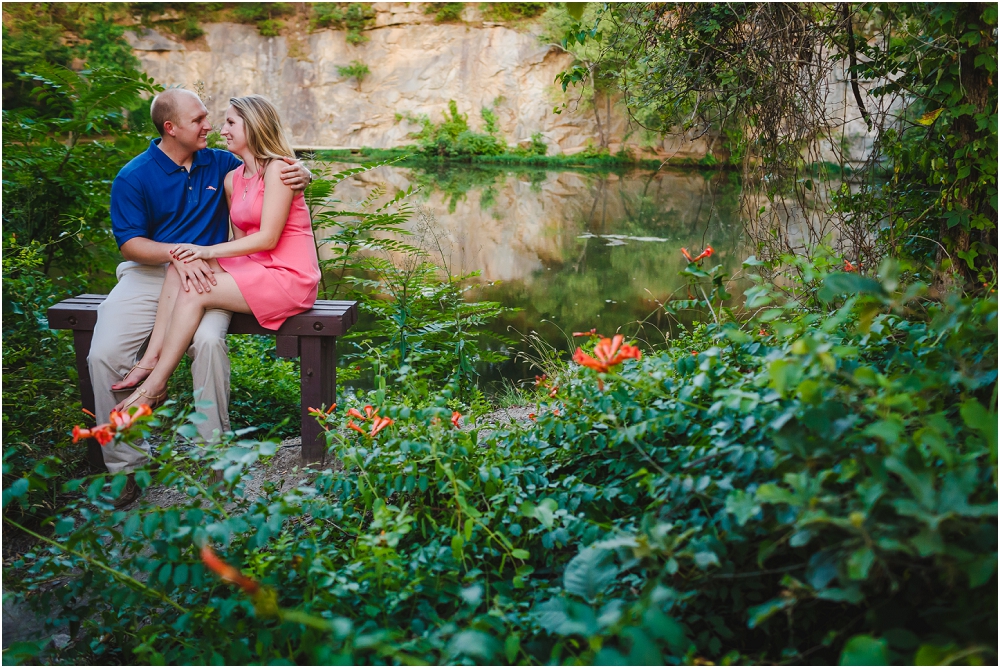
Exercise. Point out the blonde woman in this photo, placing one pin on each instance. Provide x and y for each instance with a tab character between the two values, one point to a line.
268	269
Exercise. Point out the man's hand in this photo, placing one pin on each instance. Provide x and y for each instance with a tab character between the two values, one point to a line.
197	274
295	175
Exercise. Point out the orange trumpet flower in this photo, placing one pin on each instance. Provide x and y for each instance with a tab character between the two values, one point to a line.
607	353
355	427
694	260
380	423
105	433
227	572
455	417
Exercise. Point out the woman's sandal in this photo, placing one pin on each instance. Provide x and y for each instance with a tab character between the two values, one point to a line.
127	374
151	400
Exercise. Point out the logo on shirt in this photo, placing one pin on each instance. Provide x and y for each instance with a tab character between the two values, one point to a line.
211	188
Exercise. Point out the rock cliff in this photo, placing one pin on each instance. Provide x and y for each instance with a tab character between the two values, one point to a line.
416	67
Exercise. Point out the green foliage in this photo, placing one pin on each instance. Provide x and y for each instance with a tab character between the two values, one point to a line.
58	171
356	69
921	77
943	155
264	14
264	391
452	138
814	483
354	17
59	157
445	11
39	371
33	34
512	11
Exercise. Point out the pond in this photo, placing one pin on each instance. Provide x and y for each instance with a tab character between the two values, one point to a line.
572	249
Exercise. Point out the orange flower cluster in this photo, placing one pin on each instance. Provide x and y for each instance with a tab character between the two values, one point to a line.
850	267
319	412
371	414
104	433
694	260
607	353
227	572
455	417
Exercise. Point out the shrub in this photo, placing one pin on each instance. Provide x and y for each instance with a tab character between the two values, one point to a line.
452	138
445	11
816	482
512	11
355	18
264	15
356	69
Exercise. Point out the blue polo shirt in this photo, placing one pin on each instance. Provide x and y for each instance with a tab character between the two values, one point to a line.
155	198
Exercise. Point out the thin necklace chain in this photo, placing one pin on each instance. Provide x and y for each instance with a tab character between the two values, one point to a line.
247	181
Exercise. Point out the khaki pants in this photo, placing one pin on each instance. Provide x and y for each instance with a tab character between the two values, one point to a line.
124	322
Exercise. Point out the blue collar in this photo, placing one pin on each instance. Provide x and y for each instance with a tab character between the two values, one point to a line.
169	166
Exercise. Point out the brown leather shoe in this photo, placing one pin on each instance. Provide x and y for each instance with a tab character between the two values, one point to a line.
129	494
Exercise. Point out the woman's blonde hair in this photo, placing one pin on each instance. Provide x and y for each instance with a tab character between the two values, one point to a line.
266	137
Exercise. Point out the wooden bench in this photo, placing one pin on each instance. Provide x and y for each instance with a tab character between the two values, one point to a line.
311	335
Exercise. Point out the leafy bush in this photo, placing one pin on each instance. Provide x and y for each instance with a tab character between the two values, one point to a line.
453	139
815	484
356	69
445	11
264	15
511	11
354	18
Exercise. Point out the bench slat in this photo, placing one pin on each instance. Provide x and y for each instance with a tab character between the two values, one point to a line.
326	318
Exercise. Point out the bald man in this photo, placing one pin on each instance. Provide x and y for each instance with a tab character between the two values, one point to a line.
173	193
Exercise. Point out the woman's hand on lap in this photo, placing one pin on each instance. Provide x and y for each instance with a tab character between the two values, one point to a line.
190	252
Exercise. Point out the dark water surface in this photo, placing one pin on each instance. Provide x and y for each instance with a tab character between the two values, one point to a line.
572	249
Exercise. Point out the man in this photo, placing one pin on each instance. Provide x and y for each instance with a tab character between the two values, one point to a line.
173	193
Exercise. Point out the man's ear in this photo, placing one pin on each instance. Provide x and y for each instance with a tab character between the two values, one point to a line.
168	128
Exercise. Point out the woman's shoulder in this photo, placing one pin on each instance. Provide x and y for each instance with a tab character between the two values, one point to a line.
274	167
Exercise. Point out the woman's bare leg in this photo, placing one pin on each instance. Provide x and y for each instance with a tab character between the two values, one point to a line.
165	307
187	313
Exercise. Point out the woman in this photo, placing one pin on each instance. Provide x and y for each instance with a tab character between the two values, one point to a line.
269	267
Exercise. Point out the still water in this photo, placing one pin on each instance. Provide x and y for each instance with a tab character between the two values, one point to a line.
572	249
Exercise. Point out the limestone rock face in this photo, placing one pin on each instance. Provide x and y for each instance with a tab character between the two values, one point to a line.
416	67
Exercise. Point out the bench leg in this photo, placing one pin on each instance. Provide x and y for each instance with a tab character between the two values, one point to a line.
318	381
81	344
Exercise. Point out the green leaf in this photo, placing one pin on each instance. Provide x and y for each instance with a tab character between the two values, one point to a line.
978	418
520	554
929	117
841	283
864	650
15	491
859	563
590	572
981	569
743	505
759	614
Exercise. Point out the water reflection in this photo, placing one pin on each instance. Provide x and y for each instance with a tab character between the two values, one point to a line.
573	249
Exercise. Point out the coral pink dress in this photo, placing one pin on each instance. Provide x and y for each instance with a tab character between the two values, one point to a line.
281	282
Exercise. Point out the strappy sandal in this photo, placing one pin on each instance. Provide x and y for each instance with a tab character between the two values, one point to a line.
141	397
128	373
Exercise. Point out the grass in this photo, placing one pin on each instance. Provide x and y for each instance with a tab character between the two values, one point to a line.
411	156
